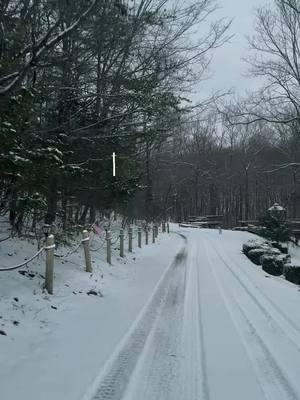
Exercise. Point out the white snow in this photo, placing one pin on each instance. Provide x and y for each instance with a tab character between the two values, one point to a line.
56	353
210	325
276	207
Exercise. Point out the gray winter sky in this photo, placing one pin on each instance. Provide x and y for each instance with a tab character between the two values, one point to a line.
227	66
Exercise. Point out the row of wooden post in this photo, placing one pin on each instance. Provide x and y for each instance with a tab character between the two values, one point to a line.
50	247
130	239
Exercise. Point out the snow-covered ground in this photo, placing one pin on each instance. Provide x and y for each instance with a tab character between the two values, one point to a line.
55	345
187	318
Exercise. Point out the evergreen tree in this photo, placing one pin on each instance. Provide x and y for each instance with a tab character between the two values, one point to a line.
274	228
80	80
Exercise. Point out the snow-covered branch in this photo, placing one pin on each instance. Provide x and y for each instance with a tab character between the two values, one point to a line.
39	49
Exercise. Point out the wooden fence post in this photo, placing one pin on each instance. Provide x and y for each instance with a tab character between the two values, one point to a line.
153	233
139	237
50	246
130	239
168	227
108	247
146	234
87	254
121	242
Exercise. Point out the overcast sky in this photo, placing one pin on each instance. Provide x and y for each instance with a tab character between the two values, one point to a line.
227	66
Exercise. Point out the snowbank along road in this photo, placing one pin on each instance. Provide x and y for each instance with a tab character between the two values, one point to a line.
215	328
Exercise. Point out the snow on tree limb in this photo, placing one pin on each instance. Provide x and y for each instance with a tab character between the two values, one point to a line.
39	49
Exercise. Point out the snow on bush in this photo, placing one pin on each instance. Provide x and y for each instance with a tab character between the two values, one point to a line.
273	264
286	258
255	255
253	244
292	273
283	247
261	252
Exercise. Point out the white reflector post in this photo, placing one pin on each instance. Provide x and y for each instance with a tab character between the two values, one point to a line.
114	163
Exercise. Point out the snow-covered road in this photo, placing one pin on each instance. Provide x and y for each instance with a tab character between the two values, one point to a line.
186	318
215	328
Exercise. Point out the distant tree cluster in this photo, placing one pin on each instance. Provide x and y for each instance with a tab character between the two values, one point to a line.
245	154
213	168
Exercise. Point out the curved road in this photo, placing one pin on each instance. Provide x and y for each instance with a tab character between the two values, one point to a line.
216	328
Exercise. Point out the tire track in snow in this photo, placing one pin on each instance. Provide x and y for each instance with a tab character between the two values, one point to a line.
277	325
205	386
117	373
176	332
268	369
157	374
193	367
267	361
270	301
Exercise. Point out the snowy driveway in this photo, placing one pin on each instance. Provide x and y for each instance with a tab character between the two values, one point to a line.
216	328
205	324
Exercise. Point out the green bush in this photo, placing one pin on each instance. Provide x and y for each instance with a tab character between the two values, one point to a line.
270	250
292	273
255	255
286	258
253	244
281	246
273	251
273	264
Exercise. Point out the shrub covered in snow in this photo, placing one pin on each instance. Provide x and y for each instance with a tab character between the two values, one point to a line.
275	252
292	273
273	264
253	244
286	258
255	255
282	247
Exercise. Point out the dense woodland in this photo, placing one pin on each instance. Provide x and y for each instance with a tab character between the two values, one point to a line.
82	79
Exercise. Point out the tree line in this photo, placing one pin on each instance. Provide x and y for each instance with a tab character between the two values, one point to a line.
242	153
82	79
